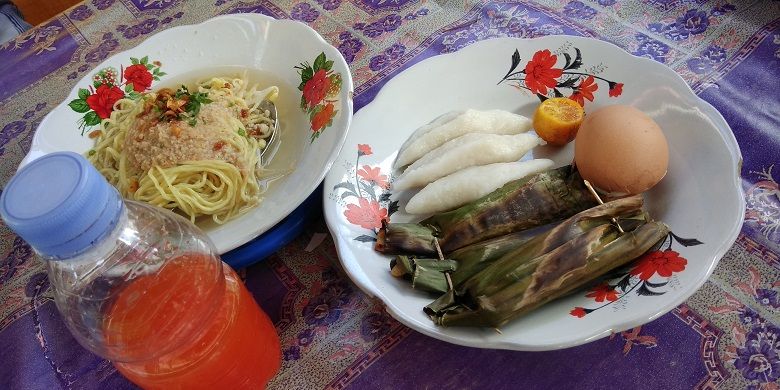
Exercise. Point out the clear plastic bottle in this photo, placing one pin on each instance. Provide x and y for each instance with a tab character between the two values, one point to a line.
139	285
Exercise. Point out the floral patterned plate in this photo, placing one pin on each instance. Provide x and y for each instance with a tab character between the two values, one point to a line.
700	198
315	103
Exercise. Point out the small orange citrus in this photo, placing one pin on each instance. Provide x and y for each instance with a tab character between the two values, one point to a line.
556	120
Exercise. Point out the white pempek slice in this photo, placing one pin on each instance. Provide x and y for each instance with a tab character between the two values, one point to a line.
455	124
470	184
463	152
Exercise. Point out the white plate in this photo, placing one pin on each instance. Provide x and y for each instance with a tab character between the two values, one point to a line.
268	48
699	198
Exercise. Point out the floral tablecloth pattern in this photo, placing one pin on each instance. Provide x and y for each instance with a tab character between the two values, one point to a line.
727	335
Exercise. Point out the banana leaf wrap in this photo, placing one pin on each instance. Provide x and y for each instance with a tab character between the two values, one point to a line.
502	272
514	266
530	202
555	274
425	274
474	258
405	239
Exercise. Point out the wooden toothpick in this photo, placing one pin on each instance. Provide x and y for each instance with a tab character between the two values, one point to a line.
441	258
598	199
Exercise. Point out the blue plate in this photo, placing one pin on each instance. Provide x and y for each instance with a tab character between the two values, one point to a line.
280	235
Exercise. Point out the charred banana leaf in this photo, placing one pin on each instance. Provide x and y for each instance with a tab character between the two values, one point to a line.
469	260
405	239
475	257
503	271
519	205
425	274
509	250
552	275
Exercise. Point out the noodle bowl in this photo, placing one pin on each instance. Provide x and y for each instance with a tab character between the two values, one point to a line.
196	153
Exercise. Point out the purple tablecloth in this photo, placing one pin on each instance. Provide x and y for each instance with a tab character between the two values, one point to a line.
727	335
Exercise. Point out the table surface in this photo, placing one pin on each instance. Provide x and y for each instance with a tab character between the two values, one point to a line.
727	335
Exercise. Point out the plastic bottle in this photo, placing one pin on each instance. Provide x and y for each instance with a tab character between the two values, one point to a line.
139	285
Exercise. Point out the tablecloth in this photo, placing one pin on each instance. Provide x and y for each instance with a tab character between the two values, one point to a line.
727	335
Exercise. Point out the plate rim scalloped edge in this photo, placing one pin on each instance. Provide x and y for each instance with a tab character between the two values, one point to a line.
254	18
360	279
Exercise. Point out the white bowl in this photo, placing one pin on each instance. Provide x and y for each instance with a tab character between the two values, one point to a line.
228	45
699	198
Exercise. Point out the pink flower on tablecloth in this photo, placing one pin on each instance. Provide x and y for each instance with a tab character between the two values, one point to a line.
633	337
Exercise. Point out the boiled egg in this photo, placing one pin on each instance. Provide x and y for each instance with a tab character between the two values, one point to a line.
621	150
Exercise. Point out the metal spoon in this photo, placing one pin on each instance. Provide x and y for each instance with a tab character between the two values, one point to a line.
272	145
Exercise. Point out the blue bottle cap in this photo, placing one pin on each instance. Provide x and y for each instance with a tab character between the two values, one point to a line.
60	204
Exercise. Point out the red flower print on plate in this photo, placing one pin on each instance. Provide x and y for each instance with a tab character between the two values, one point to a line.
615	89
320	87
366	214
139	77
543	77
603	292
540	74
102	101
97	101
578	312
585	91
323	118
374	176
663	263
366	199
315	89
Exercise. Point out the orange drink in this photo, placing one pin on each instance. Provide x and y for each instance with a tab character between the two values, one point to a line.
199	335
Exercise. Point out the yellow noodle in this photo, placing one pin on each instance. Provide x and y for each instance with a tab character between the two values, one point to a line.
214	187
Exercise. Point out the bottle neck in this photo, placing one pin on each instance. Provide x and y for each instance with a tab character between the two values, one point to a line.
69	272
104	242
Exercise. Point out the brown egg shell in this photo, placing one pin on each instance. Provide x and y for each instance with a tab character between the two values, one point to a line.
621	150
